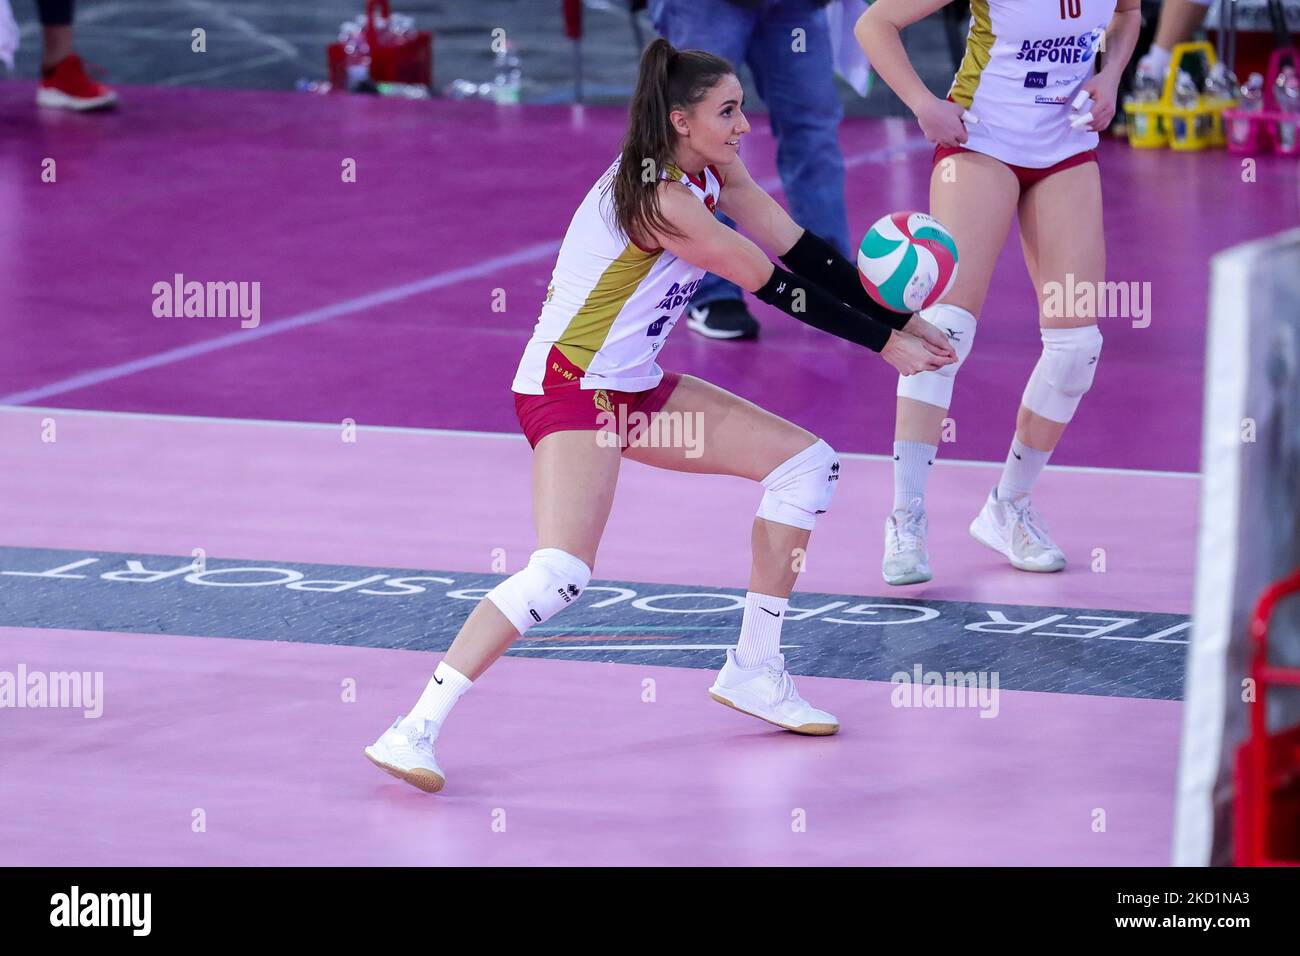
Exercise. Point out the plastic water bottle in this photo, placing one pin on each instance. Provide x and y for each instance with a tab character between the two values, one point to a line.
1186	96
1252	93
1147	86
1220	84
400	25
356	52
461	90
1250	99
509	76
357	62
1286	91
403	91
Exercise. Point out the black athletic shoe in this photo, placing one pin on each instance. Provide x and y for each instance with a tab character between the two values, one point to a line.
723	319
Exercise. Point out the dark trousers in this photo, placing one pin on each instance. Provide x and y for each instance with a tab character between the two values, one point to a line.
55	13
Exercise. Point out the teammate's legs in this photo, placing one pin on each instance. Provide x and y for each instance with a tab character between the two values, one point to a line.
974	196
574	477
799	473
1071	197
1071	348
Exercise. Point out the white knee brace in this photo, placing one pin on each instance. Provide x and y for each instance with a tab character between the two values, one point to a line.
802	487
935	388
552	581
1064	372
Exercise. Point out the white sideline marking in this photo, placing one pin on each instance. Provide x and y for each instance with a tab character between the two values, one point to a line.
349	306
516	436
395	293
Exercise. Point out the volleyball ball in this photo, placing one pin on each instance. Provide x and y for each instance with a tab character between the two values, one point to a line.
907	261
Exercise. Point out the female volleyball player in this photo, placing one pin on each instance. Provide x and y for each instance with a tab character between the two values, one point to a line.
1027	151
636	248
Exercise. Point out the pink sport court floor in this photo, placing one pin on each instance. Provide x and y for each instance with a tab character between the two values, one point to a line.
181	515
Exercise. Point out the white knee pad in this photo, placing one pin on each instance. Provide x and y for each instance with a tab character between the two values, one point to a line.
551	582
935	388
1064	372
801	487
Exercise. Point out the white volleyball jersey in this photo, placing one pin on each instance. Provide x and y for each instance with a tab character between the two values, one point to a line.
1025	62
610	304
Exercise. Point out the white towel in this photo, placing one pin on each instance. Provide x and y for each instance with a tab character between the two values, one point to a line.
850	62
8	34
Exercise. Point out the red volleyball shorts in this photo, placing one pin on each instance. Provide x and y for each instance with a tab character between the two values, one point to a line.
1027	175
583	409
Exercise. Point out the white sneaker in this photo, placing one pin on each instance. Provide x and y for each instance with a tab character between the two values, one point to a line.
767	692
1014	529
906	559
407	753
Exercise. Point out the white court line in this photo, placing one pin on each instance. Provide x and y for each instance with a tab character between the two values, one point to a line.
101	11
878	155
240	25
395	293
252	63
363	302
516	436
382	297
284	50
640	647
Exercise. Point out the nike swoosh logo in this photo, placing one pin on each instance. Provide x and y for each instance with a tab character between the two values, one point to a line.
773	613
1017	456
435	677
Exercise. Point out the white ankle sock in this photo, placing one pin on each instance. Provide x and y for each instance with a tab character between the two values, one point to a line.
760	629
446	686
913	461
1024	465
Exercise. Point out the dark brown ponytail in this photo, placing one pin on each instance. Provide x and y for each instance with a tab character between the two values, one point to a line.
668	80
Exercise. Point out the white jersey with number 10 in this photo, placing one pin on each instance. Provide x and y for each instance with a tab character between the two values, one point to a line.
1025	61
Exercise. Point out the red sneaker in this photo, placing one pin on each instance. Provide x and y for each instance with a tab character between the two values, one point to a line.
66	86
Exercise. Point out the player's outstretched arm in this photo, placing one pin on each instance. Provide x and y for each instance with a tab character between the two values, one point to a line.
808	255
700	239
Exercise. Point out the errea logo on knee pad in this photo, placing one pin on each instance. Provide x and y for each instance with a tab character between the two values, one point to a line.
551	581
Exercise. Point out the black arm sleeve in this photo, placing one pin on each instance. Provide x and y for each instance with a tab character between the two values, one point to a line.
813	305
816	259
